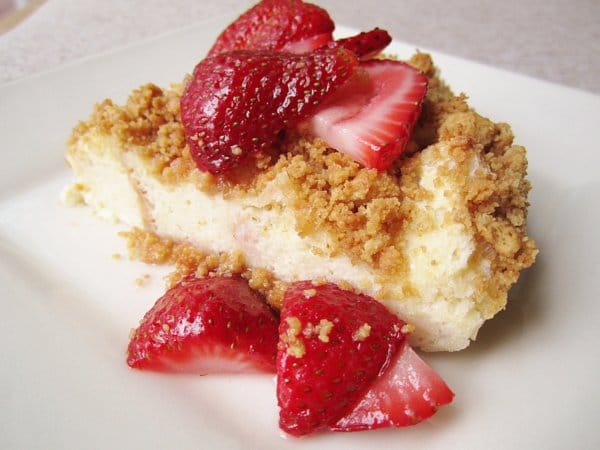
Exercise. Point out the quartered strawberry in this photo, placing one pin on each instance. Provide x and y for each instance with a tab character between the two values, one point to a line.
366	45
333	345
206	325
237	102
406	393
373	124
283	25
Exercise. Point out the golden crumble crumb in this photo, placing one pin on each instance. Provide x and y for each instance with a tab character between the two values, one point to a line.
148	247
117	256
295	346
142	280
74	194
318	281
362	332
407	328
321	330
324	328
309	293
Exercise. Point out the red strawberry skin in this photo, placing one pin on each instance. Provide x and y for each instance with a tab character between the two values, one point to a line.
206	325
333	344
408	392
237	102
366	45
289	25
373	125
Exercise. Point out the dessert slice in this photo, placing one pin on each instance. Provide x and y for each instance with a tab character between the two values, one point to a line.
438	238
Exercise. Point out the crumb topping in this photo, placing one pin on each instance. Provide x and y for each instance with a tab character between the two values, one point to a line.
148	247
407	328
309	293
294	346
320	330
363	332
142	280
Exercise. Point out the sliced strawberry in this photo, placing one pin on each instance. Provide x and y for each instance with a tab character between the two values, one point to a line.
206	325
288	25
237	102
366	45
333	344
374	125
408	392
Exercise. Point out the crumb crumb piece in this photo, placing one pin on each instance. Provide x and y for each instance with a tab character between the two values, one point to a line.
150	248
324	328
73	195
295	346
141	281
407	328
363	332
117	256
309	293
321	330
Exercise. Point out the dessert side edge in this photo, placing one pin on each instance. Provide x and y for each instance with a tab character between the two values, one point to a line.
288	158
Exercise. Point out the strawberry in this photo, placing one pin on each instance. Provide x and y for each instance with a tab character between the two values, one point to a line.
287	25
366	45
237	102
333	345
373	124
408	392
206	325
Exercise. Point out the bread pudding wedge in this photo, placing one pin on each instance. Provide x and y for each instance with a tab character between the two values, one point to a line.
439	237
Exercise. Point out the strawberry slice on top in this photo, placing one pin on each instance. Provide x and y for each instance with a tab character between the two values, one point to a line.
206	325
237	102
343	364
282	25
372	122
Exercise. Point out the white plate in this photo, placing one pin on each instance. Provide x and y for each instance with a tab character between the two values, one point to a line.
68	304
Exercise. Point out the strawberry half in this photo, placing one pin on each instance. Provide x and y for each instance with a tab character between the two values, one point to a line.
287	25
206	325
372	122
333	344
408	392
366	45
237	102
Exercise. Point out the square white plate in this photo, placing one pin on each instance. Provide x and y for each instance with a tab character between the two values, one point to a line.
530	380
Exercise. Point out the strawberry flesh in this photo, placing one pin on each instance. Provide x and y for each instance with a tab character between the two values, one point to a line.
237	102
373	123
408	392
206	325
333	344
366	45
281	25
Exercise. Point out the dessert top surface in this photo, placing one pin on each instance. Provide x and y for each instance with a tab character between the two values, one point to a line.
53	36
